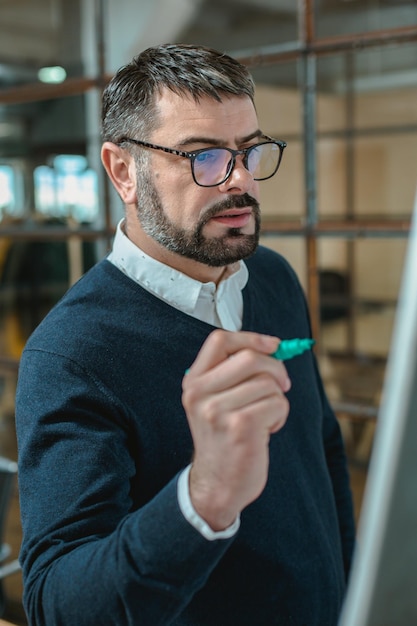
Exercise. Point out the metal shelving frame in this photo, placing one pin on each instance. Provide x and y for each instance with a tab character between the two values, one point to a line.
306	51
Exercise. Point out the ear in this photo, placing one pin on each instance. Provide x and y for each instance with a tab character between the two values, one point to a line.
120	167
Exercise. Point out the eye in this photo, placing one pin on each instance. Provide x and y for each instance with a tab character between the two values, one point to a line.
254	155
206	157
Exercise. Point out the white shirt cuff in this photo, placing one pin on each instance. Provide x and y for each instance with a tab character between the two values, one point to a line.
191	515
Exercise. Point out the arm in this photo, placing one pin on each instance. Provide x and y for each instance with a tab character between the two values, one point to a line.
87	556
234	401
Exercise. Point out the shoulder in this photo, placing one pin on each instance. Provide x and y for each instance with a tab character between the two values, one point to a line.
274	300
265	256
89	300
266	265
273	290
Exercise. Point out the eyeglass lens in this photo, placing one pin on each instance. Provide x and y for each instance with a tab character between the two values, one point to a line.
213	166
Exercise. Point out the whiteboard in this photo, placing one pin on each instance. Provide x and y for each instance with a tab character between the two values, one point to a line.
383	586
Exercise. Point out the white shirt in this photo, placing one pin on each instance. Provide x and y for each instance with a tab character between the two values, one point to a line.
220	306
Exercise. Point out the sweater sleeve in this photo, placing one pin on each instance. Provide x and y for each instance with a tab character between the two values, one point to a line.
88	556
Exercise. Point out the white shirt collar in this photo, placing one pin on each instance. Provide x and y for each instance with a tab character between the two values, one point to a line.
220	306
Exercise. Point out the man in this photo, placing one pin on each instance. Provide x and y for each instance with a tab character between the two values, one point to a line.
171	471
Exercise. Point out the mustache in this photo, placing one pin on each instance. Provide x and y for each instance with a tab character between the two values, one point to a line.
231	202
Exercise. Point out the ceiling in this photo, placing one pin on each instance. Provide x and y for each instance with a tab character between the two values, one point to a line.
37	33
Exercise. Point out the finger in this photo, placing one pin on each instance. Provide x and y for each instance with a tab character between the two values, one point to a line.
245	365
274	411
244	399
222	344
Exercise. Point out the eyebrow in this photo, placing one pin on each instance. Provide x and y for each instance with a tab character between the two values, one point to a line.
217	142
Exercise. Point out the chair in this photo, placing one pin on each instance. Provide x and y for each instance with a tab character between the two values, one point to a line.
8	472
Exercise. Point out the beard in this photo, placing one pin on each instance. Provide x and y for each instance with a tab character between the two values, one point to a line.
192	243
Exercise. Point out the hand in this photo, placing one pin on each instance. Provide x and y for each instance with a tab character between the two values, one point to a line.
234	399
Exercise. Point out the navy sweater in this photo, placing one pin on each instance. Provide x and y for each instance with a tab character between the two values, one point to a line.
102	438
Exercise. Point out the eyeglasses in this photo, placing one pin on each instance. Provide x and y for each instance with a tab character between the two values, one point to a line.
213	166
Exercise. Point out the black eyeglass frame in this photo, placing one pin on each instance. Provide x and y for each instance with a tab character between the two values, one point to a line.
234	153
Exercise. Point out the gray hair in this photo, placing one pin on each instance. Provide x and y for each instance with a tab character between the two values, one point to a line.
129	98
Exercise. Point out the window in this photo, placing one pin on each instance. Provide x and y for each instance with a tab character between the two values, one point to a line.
67	188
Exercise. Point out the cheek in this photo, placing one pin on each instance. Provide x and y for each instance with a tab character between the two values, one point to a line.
256	190
181	199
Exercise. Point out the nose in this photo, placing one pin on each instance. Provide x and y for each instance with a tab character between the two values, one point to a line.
240	179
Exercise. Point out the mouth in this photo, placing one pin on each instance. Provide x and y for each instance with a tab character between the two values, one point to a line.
234	218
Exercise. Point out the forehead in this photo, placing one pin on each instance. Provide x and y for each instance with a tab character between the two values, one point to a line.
234	116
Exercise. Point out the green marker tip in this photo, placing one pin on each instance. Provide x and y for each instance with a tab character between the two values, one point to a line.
288	348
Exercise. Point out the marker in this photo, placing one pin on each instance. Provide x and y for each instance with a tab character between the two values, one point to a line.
288	348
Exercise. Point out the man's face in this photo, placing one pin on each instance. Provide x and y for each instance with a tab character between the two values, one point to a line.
213	226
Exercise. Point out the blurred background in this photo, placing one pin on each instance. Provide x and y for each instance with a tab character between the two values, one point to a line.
336	79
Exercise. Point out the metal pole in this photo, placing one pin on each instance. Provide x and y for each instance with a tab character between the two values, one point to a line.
308	68
350	197
100	13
